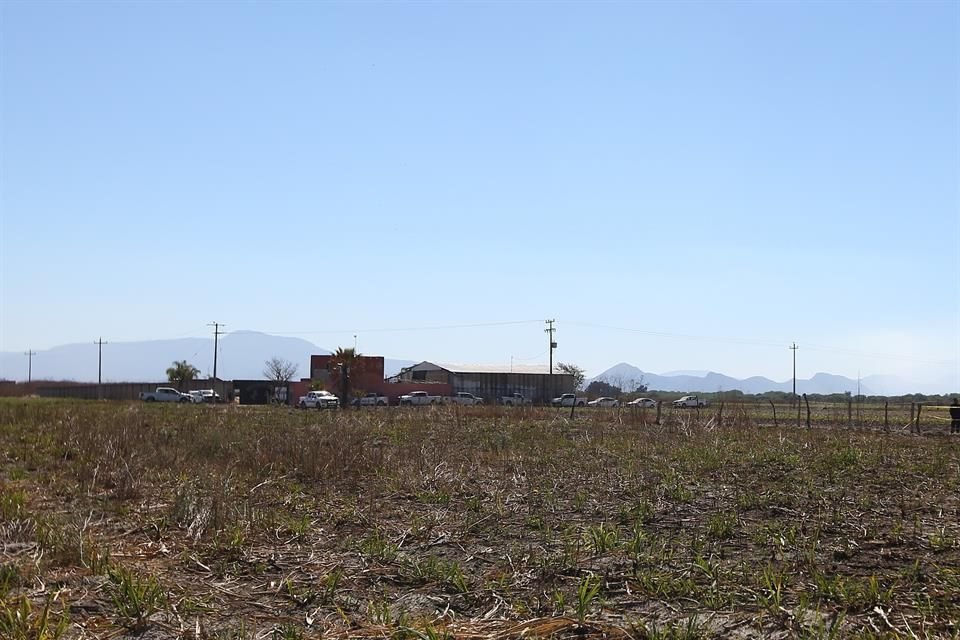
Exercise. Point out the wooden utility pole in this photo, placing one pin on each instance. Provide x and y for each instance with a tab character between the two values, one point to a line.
216	334
100	344
553	345
794	347
29	353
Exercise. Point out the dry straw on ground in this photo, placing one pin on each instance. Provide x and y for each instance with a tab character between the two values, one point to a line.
226	522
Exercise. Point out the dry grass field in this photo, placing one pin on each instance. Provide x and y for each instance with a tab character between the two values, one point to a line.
125	520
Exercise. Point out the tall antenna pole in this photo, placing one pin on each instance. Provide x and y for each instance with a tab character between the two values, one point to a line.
29	353
100	344
216	334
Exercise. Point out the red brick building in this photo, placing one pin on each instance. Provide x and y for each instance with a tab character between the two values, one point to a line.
366	377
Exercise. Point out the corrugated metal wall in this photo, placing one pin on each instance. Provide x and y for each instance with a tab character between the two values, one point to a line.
128	390
539	387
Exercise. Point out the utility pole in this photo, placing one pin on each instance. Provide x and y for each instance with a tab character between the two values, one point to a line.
29	353
794	347
859	424
553	345
216	334
99	342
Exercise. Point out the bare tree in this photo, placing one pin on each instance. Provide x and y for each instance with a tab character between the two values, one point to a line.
279	370
575	371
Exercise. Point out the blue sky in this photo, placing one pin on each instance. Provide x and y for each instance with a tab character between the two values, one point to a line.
750	174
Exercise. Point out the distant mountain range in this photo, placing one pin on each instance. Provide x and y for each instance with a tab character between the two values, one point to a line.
241	357
626	376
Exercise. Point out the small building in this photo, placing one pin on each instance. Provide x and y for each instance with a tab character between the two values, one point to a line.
366	373
366	377
256	391
492	382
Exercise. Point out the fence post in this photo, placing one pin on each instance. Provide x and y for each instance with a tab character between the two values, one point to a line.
658	412
886	424
775	424
919	406
849	412
806	401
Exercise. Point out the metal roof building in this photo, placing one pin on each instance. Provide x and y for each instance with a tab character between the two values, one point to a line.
492	382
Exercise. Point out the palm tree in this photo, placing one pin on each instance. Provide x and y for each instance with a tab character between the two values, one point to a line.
345	361
181	372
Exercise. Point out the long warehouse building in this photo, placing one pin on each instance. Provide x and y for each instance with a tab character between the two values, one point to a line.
493	382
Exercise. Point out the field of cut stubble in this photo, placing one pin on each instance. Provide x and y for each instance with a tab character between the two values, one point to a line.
125	520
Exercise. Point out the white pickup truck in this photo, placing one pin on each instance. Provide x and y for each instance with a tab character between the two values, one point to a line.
467	399
415	398
515	400
319	400
569	400
164	394
689	402
371	400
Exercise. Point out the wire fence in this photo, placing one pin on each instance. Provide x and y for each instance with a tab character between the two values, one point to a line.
900	416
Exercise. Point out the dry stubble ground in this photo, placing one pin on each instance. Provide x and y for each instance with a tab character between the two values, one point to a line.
228	522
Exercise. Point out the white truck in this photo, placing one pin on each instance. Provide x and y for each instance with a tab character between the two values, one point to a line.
165	394
416	398
319	400
689	402
371	400
569	400
466	399
515	400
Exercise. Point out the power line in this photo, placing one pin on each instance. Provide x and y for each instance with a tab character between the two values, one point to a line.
760	343
683	336
401	329
882	356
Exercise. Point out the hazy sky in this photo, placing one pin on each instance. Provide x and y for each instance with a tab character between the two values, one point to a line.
720	178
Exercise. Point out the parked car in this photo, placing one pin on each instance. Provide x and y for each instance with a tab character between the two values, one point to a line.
467	399
319	400
515	399
164	394
643	402
604	402
209	395
196	397
689	401
569	400
415	398
371	400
